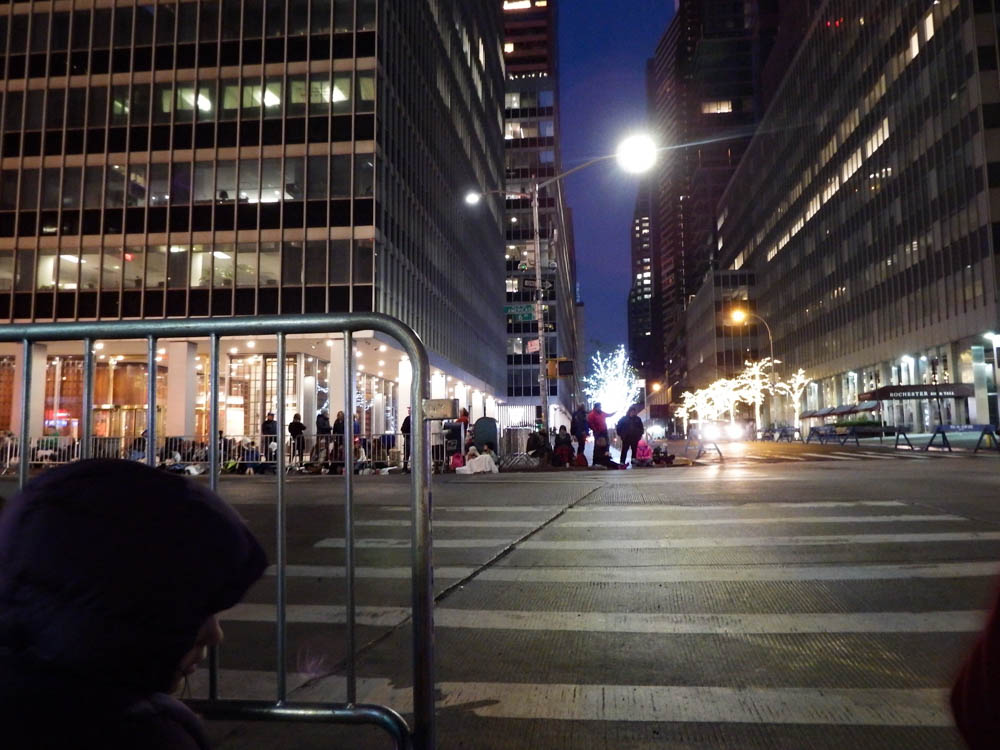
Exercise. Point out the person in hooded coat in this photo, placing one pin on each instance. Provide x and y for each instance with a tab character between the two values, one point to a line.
111	576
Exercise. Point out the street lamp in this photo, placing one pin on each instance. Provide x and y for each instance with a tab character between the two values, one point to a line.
635	155
742	316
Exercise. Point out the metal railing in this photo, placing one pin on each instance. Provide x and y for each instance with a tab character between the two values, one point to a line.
421	737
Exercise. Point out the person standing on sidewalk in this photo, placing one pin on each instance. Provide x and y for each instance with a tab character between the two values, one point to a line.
297	429
405	430
580	429
630	429
597	420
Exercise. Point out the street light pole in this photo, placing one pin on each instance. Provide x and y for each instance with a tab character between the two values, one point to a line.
740	316
543	375
635	154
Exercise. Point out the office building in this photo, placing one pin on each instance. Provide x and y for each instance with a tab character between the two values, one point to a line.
867	209
223	157
644	340
532	121
704	103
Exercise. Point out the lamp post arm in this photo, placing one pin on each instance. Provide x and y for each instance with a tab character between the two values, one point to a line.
577	168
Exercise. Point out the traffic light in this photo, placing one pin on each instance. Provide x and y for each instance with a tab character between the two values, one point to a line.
559	368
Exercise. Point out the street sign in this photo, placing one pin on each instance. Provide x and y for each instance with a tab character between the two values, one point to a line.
519	309
532	346
522	318
530	284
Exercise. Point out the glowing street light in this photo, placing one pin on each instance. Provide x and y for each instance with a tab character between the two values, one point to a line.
636	154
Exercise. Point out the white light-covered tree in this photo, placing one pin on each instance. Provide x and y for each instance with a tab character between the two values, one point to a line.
754	383
612	382
728	395
793	388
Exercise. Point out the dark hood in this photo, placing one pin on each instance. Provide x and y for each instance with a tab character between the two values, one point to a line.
109	568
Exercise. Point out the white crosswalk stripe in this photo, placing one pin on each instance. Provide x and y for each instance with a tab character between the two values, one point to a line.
518	599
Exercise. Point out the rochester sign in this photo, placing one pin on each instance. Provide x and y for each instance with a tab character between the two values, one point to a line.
904	392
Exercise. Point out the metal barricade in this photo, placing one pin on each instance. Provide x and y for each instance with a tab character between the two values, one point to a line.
421	737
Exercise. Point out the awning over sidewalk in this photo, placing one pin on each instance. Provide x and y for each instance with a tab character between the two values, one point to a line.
807	414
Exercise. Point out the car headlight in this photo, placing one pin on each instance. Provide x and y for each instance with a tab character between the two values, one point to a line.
734	431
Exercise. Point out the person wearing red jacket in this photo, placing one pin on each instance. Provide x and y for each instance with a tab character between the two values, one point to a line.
975	698
598	422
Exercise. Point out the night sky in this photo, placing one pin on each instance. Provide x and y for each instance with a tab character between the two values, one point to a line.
604	46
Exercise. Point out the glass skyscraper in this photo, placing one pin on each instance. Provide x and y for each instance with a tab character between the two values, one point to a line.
866	207
224	157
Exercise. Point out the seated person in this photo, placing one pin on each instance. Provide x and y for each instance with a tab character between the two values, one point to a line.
112	575
564	453
539	446
643	454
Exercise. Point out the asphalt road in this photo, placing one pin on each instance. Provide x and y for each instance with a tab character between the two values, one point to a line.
768	603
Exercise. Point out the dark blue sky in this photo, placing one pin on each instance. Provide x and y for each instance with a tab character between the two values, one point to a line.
604	45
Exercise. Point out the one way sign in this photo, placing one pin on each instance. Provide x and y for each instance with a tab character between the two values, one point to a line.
531	284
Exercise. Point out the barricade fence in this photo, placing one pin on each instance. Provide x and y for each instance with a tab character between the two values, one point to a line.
238	454
215	454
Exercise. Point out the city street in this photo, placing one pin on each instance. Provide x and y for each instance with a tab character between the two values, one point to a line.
813	603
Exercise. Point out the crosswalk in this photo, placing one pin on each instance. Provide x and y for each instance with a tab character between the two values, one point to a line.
844	455
807	621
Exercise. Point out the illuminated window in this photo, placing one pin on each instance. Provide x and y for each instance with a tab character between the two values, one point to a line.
508	47
716	108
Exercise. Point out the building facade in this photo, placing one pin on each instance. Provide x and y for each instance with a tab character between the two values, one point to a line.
704	106
716	347
223	157
873	225
533	154
644	341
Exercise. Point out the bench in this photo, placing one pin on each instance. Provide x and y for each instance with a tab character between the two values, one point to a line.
986	432
822	433
789	434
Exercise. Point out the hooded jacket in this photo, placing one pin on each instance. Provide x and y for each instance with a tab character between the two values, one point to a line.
107	571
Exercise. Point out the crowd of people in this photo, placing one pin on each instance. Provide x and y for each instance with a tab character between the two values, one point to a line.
584	426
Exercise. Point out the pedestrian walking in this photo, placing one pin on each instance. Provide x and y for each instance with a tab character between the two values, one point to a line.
580	429
597	420
630	429
112	575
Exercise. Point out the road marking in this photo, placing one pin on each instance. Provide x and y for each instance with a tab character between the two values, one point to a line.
400	522
743	506
757	541
921	707
964	621
881	456
758	521
335	543
675	574
831	456
715	705
474	508
678	543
